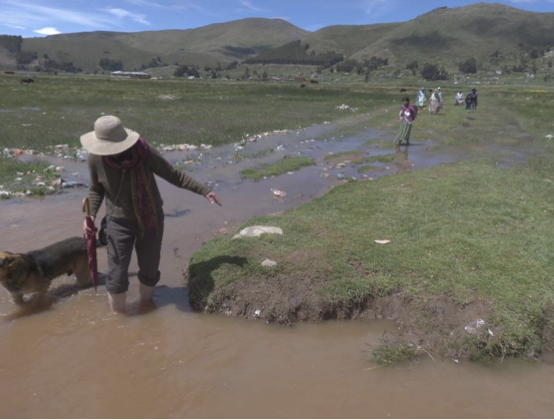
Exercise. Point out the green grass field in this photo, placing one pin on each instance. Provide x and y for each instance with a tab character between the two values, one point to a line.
57	110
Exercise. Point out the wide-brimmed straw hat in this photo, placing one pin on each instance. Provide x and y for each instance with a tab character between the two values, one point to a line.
109	137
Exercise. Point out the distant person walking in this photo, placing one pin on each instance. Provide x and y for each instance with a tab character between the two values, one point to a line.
434	102
421	98
459	100
468	102
407	115
474	99
122	166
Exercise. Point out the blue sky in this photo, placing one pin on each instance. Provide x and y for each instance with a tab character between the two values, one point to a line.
32	18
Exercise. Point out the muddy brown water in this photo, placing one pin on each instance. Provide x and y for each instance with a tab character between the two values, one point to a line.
71	358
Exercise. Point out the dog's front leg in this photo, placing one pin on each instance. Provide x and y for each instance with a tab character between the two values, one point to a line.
18	298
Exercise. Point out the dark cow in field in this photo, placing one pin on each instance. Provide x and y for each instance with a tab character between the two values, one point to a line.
313	81
402	90
27	81
302	85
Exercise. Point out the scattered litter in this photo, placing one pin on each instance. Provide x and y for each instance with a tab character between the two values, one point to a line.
490	332
473	327
61	147
550	136
340	176
278	193
169	97
456	361
257	313
268	263
290	173
73	184
345	107
280	148
382	241
256	231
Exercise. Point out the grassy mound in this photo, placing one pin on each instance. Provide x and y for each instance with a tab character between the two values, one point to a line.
471	234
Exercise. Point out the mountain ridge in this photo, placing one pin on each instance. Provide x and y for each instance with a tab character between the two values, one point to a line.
444	36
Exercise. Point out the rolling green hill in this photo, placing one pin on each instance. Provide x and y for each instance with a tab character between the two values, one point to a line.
447	36
444	36
222	42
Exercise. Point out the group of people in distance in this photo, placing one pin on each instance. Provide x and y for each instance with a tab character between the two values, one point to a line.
408	112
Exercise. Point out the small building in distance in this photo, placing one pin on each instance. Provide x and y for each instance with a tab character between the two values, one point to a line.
130	75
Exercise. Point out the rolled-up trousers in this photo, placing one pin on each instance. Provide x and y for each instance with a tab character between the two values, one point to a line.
122	237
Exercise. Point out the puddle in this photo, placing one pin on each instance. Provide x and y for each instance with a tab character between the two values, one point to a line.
73	359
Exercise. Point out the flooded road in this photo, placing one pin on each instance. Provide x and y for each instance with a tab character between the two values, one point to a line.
74	359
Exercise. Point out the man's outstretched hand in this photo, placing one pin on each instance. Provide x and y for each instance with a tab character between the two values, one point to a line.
213	198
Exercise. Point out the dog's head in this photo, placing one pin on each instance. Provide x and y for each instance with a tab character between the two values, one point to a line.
12	267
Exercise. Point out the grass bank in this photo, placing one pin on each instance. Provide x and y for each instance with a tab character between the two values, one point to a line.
451	233
289	164
17	176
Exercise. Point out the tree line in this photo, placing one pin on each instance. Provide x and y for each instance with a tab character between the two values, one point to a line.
296	53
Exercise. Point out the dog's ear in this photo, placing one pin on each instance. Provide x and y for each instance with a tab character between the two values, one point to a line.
11	263
4	257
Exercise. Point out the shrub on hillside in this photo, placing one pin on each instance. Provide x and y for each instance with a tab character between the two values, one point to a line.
432	72
110	65
413	67
25	57
11	42
468	66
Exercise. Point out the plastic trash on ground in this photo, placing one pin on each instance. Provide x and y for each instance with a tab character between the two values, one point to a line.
474	327
278	193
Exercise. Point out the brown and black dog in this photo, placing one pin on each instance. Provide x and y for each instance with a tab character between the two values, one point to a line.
33	271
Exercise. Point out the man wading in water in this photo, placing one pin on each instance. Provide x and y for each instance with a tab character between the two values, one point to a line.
122	167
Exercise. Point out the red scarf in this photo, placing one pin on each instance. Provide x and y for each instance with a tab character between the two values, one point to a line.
141	190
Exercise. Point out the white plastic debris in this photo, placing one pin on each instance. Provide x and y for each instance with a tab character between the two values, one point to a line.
256	231
382	241
257	313
345	107
473	328
278	193
550	136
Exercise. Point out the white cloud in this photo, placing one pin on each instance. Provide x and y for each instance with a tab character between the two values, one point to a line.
185	6
122	13
375	8
250	6
47	31
145	3
16	27
17	13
